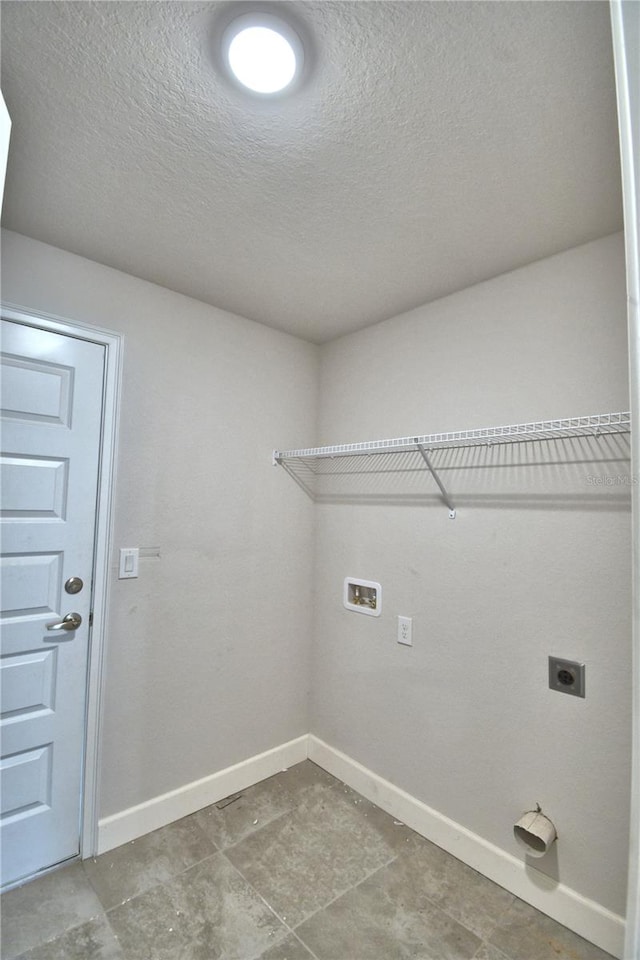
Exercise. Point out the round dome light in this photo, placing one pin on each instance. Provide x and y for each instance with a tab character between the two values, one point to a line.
262	52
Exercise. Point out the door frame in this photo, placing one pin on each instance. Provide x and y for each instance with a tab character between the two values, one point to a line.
113	344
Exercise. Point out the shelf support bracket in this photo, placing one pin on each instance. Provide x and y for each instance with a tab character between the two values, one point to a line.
445	495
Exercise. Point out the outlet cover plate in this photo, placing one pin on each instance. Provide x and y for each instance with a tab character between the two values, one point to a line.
405	631
567	676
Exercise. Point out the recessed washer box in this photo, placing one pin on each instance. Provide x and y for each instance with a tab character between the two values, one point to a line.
362	596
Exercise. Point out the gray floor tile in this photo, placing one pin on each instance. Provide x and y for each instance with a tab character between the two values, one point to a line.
356	884
289	949
257	806
381	919
45	908
396	834
253	809
306	774
476	902
488	952
94	940
300	862
527	934
155	858
207	913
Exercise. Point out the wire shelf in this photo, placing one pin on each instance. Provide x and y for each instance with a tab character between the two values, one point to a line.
566	428
311	464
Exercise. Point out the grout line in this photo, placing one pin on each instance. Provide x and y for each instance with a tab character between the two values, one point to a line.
482	937
439	905
115	936
62	933
305	945
501	916
268	905
293	800
221	851
333	786
354	886
254	833
217	849
485	943
162	883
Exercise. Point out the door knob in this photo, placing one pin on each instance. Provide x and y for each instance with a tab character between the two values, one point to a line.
71	622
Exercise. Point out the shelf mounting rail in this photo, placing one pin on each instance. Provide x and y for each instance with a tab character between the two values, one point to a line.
594	425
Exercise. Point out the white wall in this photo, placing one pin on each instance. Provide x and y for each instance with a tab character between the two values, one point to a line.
536	563
625	23
207	660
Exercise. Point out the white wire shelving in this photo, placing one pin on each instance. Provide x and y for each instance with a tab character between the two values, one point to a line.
565	428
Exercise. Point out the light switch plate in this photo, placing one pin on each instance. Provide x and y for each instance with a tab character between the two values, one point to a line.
128	567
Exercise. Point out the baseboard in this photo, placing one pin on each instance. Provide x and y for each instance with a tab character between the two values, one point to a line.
586	917
158	812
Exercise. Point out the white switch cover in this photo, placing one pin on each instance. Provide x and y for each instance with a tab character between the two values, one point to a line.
128	563
404	631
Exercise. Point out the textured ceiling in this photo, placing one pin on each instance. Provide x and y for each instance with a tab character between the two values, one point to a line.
433	145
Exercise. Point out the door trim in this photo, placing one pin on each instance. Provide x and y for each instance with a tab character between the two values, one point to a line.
113	344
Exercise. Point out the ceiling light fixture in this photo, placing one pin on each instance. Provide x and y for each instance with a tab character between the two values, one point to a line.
263	53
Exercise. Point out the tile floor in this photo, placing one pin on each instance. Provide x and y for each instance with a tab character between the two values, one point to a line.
298	867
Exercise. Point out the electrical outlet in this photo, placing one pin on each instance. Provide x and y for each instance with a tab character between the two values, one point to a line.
566	676
404	631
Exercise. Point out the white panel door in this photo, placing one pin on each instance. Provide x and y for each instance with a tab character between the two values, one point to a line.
52	387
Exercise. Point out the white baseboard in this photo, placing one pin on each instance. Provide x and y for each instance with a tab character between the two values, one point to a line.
153	814
586	917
